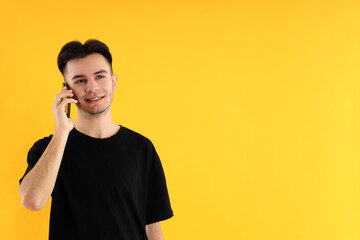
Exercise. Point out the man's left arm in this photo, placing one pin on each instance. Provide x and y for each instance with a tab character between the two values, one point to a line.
153	231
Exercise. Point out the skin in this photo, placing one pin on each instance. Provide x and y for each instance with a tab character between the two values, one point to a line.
153	231
94	119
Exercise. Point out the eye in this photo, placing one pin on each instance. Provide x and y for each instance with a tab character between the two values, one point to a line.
80	81
100	76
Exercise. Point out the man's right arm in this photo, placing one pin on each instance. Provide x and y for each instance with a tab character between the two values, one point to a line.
38	184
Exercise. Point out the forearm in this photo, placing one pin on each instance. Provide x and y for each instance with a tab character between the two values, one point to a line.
154	232
38	184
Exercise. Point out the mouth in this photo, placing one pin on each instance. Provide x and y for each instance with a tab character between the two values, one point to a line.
94	99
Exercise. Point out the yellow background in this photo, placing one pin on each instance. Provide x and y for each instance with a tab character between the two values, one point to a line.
253	107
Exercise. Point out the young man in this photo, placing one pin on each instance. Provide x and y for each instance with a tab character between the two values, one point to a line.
106	181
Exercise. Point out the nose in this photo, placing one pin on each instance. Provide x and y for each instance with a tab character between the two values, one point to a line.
91	86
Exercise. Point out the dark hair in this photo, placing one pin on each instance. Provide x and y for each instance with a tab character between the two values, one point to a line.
75	49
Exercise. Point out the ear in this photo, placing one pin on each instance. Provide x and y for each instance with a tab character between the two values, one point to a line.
114	81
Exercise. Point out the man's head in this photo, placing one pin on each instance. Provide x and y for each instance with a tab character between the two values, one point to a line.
76	49
88	72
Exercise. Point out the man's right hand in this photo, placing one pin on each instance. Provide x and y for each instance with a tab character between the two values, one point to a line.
38	184
63	123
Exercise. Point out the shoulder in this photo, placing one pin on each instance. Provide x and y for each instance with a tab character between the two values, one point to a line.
37	150
41	143
143	146
135	137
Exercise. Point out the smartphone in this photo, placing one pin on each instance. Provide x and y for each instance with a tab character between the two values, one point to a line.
67	108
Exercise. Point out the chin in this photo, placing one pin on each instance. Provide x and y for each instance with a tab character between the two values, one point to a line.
98	112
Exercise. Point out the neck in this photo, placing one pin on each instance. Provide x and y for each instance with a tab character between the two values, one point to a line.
97	126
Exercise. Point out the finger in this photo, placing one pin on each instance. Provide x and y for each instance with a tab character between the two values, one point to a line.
60	96
66	89
62	93
65	94
66	101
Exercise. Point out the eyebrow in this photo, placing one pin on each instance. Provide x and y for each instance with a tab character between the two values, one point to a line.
79	76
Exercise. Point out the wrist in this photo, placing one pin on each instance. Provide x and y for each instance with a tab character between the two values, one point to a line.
61	132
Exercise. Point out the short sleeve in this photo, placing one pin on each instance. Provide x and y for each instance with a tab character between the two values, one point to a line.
158	207
35	153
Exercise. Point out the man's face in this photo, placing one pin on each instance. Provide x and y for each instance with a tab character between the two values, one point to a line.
92	83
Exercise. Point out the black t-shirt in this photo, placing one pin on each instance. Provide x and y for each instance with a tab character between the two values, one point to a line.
106	188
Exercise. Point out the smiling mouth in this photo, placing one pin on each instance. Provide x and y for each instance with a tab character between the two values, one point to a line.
94	99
